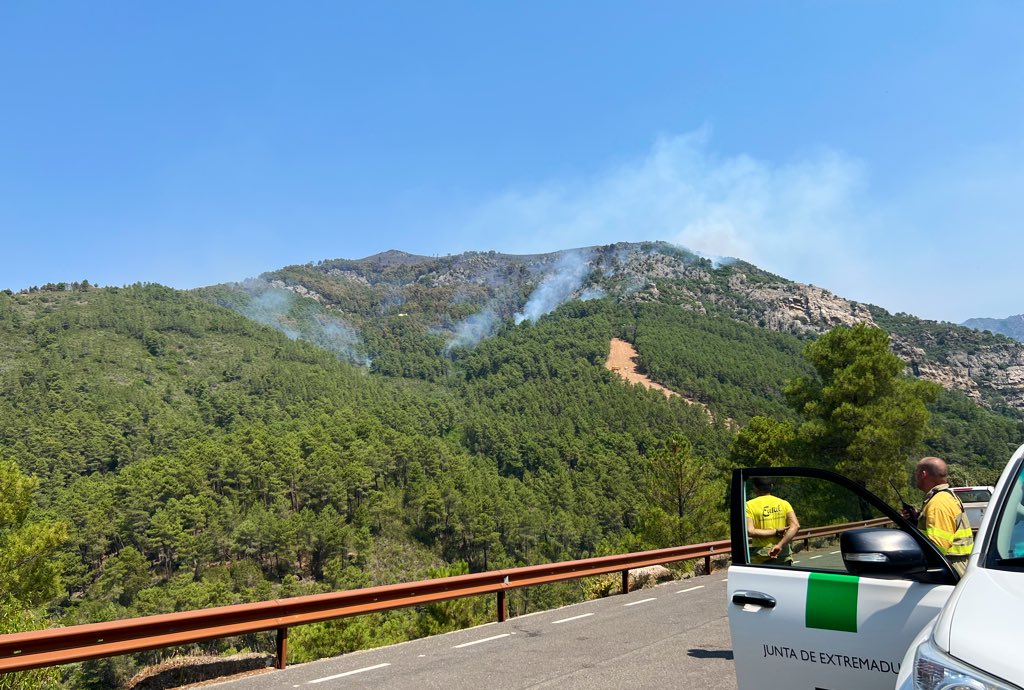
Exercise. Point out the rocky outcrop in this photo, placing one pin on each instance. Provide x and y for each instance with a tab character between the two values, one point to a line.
952	356
300	290
350	276
796	307
649	576
995	369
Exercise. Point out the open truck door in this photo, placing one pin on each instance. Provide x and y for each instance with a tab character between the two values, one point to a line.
842	612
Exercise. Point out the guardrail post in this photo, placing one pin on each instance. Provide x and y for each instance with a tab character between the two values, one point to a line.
282	649
625	582
707	565
502	607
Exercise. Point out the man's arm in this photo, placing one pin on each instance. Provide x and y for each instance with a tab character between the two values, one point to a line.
792	527
757	531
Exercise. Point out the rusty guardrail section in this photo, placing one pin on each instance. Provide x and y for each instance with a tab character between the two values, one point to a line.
806	535
28	650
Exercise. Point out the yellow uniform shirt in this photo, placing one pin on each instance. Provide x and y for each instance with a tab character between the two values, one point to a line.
944	522
767	512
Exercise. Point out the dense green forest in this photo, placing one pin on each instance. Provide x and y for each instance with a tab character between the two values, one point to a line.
195	458
739	370
171	454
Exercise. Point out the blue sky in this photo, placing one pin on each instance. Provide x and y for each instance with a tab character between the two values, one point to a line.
872	148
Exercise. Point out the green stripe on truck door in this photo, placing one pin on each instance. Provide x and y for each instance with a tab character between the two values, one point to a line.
832	602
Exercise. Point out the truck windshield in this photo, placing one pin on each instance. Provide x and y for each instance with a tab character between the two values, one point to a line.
1009	529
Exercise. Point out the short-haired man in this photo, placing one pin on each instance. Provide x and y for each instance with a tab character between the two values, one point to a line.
771	525
942	517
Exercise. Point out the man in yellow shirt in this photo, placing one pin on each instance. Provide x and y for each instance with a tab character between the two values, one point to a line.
771	525
942	517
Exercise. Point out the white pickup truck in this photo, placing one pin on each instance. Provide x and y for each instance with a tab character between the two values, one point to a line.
975	500
882	608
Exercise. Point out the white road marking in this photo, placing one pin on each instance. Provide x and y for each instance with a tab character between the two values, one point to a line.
833	553
574	618
690	589
642	601
725	580
486	639
818	556
795	562
348	673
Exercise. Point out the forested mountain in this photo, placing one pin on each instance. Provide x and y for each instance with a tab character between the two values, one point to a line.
364	422
397	312
1011	326
195	458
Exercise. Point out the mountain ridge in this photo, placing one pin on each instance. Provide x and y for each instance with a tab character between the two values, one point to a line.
467	296
1011	326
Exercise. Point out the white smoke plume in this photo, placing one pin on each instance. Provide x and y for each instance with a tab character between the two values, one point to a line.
281	309
782	216
470	331
270	307
337	336
565	277
717	261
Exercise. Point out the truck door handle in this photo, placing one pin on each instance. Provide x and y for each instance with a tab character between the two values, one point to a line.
741	597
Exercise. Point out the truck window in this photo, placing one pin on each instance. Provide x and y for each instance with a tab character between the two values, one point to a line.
973	495
822	509
1009	529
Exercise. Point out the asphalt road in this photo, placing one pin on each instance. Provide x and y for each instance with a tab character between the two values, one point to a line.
823	558
672	635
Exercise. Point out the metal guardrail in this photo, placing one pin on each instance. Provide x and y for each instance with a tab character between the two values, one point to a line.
806	535
36	649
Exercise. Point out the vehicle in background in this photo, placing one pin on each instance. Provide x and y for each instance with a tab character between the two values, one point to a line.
882	608
975	500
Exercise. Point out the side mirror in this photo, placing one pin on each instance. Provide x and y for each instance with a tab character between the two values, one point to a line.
880	552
